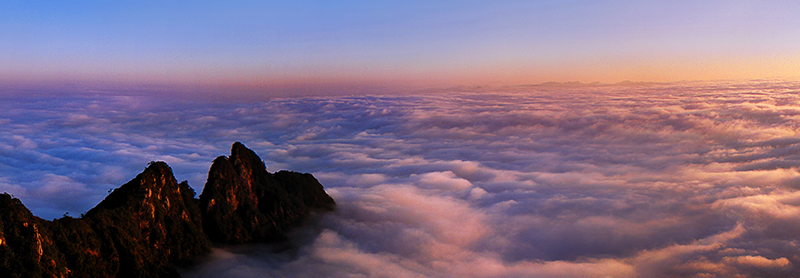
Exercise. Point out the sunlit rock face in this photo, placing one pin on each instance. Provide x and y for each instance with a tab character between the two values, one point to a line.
150	224
25	249
152	221
242	202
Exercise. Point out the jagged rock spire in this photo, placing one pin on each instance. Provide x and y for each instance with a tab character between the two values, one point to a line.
151	223
242	202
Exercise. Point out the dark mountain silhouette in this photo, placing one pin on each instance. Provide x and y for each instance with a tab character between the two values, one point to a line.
152	223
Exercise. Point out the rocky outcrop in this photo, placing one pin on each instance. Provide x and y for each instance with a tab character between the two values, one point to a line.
26	248
242	202
150	224
147	224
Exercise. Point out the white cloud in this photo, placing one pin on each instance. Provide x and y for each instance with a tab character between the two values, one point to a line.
694	179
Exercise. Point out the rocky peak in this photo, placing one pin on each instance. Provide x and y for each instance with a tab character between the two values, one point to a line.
25	248
162	220
242	202
246	162
154	187
146	226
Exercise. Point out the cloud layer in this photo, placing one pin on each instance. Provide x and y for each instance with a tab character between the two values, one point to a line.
684	180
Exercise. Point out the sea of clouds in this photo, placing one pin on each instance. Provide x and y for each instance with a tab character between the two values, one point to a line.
684	180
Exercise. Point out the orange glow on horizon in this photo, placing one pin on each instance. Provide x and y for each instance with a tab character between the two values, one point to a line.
599	70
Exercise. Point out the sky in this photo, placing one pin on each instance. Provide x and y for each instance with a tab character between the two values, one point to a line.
260	45
686	179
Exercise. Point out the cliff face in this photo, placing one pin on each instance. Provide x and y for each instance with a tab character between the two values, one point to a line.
146	224
26	250
242	202
151	223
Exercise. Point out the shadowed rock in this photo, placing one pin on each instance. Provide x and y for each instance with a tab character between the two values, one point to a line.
150	224
242	202
26	249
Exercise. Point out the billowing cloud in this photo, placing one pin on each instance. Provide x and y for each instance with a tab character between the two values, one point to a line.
681	180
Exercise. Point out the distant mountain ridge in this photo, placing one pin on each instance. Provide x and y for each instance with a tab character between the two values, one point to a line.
153	223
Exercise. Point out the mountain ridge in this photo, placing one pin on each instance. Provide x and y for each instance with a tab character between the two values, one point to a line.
152	223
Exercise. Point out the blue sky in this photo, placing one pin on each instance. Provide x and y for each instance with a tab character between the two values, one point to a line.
255	43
